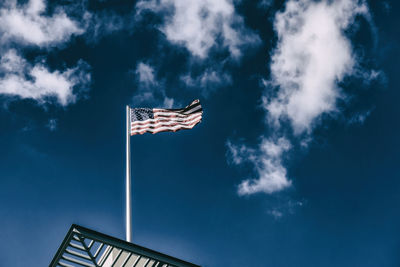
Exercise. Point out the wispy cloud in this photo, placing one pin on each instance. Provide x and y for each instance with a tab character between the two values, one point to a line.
312	56
145	73
208	80
212	32
30	25
52	125
265	3
103	23
267	162
197	25
149	89
24	80
282	205
359	117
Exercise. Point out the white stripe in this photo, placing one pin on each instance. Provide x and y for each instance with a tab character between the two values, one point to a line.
169	119
142	127
164	129
152	126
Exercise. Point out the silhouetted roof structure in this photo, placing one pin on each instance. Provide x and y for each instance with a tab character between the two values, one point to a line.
85	247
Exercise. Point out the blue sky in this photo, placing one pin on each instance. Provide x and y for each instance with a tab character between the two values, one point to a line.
296	161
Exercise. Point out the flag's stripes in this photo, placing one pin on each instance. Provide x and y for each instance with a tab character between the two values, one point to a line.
194	104
194	109
166	119
164	124
168	114
181	112
163	129
159	120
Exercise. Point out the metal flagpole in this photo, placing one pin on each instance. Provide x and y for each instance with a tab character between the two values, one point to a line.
128	177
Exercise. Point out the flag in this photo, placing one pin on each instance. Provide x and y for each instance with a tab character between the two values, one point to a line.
155	120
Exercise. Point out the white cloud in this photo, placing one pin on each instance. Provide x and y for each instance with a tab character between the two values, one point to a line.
359	117
205	29
240	153
29	25
265	3
150	91
146	74
282	205
208	80
36	82
104	23
197	25
267	162
168	102
277	214
52	125
312	56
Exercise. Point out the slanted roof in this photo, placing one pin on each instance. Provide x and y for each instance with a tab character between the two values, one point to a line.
85	247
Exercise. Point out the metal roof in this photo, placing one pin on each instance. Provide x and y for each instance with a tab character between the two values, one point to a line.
85	247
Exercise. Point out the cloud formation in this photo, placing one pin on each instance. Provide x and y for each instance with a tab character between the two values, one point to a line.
145	74
312	56
267	162
52	125
213	33
150	91
198	25
29	25
208	80
36	82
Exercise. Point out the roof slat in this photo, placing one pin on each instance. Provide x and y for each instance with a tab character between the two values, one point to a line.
65	264
126	259
104	257
77	246
78	254
82	263
98	250
116	258
91	244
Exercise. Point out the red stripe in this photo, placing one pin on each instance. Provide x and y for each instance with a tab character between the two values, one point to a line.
166	130
164	120
150	126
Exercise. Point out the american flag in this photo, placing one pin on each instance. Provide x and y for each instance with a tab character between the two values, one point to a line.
155	120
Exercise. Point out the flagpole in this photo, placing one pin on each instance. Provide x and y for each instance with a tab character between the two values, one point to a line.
128	178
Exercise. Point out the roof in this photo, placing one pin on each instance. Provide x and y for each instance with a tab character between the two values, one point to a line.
85	247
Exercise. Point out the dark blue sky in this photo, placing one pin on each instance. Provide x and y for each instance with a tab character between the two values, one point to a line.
64	162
